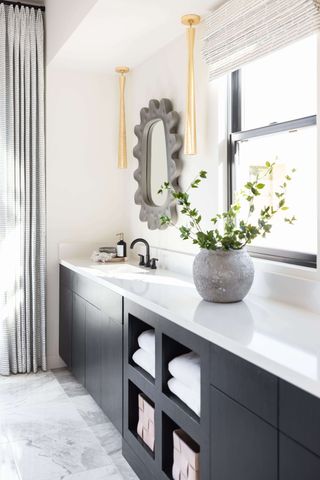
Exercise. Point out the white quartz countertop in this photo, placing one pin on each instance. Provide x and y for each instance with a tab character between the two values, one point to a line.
280	338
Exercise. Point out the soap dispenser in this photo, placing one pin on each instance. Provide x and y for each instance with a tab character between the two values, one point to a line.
121	246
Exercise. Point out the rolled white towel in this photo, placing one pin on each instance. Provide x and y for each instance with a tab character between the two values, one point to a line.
145	360
186	368
190	396
147	341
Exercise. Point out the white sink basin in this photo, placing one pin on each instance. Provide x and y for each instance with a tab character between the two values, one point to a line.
119	268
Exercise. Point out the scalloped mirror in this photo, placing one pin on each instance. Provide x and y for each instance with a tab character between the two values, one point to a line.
157	152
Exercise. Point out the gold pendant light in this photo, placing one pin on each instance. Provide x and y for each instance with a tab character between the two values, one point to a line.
190	138
122	148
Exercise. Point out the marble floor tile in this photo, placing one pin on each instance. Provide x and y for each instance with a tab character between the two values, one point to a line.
8	469
29	423
108	436
105	473
89	410
74	389
58	456
123	466
63	375
3	436
22	391
52	429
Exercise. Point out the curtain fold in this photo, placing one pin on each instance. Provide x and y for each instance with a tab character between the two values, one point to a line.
241	31
22	192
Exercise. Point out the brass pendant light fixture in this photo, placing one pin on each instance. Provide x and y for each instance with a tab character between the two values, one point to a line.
122	148
190	138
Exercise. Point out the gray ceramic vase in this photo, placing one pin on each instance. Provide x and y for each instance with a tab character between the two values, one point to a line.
223	276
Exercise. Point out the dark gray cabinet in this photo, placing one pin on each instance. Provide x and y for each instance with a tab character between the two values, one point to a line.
65	324
299	416
111	370
296	462
90	339
78	338
93	351
243	446
249	385
253	425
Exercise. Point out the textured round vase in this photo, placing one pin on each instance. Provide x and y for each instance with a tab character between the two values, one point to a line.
222	276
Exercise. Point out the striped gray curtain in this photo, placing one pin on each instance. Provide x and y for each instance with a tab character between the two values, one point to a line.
22	191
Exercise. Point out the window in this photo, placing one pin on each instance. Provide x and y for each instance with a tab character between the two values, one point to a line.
273	118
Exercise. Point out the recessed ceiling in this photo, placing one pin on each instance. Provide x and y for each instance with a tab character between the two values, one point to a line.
126	32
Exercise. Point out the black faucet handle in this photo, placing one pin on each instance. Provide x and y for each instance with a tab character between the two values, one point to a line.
141	262
153	263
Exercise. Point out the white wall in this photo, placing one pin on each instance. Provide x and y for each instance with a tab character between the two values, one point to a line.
164	75
85	197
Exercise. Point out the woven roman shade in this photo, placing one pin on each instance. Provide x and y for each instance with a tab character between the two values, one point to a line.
243	30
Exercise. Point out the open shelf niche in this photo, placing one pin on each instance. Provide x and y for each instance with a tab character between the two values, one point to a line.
135	328
168	427
133	414
170	413
170	350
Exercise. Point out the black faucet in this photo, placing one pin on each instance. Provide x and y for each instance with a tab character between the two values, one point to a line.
143	262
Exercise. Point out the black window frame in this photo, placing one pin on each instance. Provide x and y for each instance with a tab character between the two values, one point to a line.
236	134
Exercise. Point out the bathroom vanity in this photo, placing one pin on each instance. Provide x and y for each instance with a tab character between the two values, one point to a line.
260	377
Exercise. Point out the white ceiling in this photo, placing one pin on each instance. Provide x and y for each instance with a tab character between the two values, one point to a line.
31	2
126	32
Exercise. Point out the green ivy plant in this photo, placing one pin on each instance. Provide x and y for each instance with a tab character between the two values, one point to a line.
230	230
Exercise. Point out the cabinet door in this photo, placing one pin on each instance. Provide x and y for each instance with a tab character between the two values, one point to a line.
243	446
111	370
65	324
296	462
78	338
299	416
93	351
249	385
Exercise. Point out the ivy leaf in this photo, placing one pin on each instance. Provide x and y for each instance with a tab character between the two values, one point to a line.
165	220
230	230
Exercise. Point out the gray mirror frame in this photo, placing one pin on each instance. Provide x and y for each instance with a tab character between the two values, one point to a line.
162	110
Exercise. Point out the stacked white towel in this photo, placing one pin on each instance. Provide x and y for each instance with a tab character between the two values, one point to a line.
185	383
145	355
147	341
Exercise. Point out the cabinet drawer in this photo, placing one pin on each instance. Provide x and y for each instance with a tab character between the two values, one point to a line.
295	462
87	289
66	277
299	416
249	385
243	446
